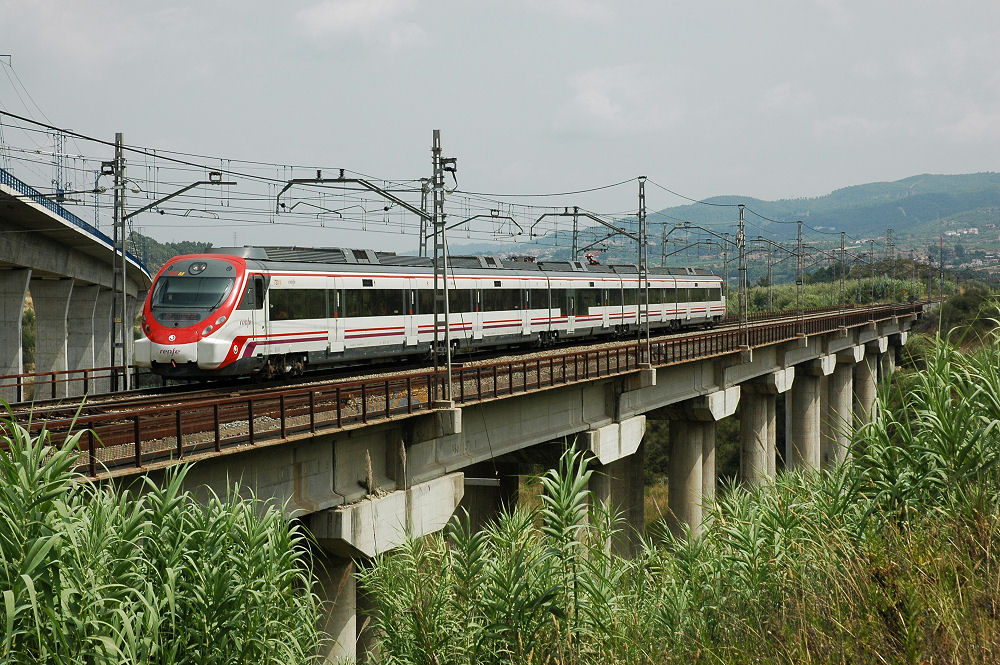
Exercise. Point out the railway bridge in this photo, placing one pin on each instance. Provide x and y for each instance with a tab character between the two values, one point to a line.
68	267
366	463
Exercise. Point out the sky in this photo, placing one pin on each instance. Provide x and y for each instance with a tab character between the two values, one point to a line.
769	99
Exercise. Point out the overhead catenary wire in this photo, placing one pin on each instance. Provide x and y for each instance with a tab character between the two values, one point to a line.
166	169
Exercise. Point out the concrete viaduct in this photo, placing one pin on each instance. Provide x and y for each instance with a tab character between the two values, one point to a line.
66	265
425	466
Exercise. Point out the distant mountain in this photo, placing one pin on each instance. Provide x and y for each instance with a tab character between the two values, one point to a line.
918	209
912	206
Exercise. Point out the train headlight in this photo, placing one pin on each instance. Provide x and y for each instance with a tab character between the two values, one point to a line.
207	330
219	321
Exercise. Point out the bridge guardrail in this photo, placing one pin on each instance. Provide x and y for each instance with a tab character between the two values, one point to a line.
45	385
27	190
171	432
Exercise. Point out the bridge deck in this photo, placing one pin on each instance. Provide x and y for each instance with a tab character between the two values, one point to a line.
125	441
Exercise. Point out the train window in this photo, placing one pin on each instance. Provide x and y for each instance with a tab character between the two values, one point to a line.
253	295
538	298
631	296
459	301
501	300
715	294
288	304
559	300
206	292
698	295
615	297
670	295
587	298
374	302
425	301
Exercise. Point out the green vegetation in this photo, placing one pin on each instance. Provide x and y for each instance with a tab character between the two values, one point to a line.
28	339
90	574
154	253
892	557
827	294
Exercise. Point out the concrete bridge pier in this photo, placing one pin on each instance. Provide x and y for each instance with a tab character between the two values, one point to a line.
802	413
866	380
838	409
13	291
102	338
51	298
691	482
618	477
620	486
758	432
490	488
80	342
351	535
887	363
337	586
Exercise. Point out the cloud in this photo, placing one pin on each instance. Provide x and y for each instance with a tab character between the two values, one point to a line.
374	20
580	10
848	127
976	125
835	10
616	101
783	97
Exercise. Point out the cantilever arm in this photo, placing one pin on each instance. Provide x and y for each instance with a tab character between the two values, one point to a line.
177	193
507	217
319	180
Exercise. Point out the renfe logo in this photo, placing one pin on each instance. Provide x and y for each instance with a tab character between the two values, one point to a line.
169	352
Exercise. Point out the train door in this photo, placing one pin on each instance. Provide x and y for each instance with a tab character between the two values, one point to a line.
525	314
336	315
253	301
602	302
477	312
409	315
569	302
259	316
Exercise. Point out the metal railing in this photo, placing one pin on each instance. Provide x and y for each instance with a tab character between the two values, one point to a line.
33	194
32	386
133	439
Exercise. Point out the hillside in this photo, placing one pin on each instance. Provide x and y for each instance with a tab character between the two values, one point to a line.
917	205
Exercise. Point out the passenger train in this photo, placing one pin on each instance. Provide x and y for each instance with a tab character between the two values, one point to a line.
274	311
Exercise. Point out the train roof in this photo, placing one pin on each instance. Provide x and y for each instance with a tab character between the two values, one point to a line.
368	257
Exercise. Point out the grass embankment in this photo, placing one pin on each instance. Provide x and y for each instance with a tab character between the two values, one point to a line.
857	292
891	558
89	574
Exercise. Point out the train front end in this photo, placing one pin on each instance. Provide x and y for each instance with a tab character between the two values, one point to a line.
187	318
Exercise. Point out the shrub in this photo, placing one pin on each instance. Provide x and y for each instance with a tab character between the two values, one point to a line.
891	557
92	574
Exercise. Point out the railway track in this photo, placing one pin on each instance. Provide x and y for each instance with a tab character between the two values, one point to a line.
124	402
143	430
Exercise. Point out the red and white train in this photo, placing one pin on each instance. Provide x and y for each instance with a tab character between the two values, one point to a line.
282	310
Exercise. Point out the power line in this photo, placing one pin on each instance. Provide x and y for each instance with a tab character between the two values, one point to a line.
688	198
549	194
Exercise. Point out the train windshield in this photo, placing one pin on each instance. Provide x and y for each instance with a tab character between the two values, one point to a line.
191	292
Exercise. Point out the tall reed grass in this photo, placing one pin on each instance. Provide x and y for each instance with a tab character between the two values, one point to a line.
89	574
890	558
